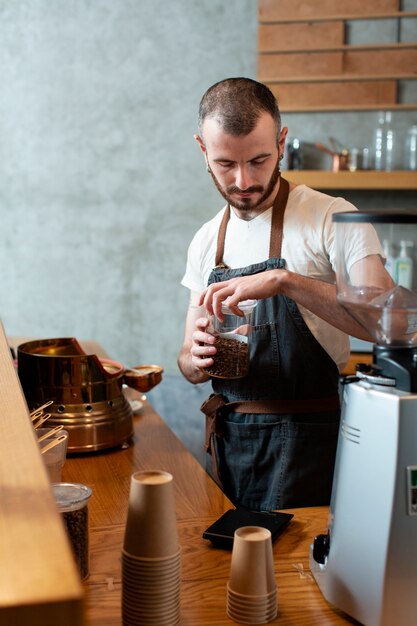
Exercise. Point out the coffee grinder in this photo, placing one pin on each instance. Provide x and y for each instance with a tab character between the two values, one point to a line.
366	563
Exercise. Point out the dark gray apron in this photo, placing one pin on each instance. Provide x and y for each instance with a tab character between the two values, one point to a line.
272	435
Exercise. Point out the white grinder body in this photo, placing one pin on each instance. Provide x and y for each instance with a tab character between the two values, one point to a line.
370	571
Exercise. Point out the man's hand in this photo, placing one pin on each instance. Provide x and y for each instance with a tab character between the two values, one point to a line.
198	347
202	346
235	290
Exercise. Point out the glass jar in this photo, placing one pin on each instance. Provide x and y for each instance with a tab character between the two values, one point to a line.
72	502
411	149
384	142
232	341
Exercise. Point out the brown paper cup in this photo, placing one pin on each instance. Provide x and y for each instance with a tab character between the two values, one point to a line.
252	564
261	612
151	526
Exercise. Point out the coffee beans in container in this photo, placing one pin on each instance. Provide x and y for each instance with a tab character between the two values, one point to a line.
72	502
232	341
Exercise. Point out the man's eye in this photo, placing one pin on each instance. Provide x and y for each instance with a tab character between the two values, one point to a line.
258	161
225	164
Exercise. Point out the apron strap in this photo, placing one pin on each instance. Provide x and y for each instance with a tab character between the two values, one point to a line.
221	236
275	407
277	222
211	409
216	402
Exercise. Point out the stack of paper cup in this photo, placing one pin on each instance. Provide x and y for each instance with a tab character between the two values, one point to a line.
151	562
252	589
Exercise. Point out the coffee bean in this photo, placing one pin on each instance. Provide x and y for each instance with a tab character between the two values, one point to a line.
230	360
76	523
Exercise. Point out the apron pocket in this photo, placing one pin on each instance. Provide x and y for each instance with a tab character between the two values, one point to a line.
308	463
278	464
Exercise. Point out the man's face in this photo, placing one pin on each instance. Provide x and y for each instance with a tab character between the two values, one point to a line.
244	168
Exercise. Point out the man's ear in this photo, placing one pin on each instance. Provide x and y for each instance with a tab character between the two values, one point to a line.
201	144
281	139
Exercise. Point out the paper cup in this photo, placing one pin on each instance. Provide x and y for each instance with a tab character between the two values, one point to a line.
151	526
251	602
252	564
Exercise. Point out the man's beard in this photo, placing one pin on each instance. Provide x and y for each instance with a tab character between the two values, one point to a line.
246	204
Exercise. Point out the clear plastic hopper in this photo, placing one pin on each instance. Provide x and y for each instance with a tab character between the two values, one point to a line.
376	273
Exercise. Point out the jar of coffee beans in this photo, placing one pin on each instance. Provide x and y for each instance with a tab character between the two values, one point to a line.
72	502
231	359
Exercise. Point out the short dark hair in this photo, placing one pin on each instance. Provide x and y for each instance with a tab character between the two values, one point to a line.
237	104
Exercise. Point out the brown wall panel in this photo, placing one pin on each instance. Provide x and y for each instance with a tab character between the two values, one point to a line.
276	37
362	63
276	66
316	67
296	9
400	61
295	96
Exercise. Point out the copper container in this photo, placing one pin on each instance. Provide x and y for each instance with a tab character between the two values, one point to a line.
86	391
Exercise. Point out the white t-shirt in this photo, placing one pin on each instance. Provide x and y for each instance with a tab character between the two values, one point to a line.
307	247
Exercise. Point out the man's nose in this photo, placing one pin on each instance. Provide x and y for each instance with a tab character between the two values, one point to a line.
243	178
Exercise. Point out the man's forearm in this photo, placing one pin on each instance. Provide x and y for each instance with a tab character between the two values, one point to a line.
320	298
313	294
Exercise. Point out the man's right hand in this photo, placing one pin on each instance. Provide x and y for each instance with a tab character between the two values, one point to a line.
202	347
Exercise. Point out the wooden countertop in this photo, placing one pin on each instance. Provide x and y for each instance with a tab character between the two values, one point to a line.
39	583
199	502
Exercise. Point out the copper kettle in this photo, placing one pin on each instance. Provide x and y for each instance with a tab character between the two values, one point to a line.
339	158
86	391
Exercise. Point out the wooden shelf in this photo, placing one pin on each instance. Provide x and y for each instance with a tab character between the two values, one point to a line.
348	108
333	18
337	78
404	45
401	180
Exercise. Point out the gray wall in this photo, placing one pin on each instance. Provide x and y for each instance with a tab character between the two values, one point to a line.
101	183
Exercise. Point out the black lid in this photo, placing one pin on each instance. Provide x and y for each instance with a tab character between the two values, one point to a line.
374	217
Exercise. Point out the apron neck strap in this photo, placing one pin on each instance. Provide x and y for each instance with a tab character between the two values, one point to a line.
277	222
221	236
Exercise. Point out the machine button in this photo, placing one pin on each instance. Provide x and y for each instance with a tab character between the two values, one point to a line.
321	546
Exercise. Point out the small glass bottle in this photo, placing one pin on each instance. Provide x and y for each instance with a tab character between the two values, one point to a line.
404	265
72	502
384	142
411	149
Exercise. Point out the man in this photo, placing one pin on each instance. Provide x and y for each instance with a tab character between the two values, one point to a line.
272	434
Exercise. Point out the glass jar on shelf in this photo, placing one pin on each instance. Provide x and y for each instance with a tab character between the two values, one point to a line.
411	149
384	142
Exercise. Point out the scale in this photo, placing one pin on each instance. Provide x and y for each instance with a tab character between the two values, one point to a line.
366	563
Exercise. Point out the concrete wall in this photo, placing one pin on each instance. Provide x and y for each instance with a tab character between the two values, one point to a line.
101	183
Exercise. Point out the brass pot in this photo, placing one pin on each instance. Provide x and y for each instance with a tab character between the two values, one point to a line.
86	391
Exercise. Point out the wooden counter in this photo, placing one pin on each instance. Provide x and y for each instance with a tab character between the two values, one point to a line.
199	502
39	584
354	358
